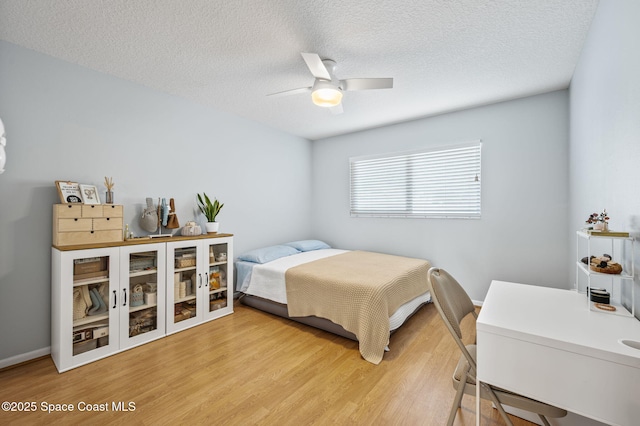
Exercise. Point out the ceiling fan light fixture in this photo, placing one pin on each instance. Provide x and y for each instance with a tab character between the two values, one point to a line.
325	94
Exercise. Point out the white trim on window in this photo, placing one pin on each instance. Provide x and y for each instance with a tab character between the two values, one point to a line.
437	182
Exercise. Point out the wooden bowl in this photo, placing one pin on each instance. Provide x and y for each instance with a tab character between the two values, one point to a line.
611	268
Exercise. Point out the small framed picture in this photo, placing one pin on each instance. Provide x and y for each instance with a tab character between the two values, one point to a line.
69	192
89	194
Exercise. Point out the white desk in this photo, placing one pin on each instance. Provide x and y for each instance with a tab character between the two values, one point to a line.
546	344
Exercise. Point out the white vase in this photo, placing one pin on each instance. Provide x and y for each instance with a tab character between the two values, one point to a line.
212	227
600	226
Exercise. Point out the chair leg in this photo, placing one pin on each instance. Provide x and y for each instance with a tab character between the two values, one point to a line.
504	414
544	420
457	400
498	405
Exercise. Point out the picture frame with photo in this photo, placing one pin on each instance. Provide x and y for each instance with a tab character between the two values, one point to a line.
69	192
89	194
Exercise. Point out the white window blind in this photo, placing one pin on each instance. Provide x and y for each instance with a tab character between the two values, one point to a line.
441	182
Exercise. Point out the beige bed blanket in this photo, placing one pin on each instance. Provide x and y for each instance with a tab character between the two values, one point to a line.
359	290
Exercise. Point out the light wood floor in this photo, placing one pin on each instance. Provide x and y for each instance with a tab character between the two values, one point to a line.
254	368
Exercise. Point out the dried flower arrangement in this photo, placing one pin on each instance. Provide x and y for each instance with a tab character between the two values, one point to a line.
600	221
598	218
108	182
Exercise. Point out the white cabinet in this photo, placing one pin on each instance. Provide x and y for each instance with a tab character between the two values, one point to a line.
200	281
619	286
109	299
85	310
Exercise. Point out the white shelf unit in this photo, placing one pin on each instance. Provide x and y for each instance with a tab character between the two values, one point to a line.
197	283
620	286
121	268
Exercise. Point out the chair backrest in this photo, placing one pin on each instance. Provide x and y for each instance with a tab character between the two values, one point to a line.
453	304
452	301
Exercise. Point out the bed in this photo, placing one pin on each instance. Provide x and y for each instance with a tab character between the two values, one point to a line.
360	295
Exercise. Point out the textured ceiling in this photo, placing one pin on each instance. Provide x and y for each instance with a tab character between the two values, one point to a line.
444	55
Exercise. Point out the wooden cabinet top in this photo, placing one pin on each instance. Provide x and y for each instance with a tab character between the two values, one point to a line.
141	240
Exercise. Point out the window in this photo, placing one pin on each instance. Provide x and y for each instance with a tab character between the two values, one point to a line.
442	182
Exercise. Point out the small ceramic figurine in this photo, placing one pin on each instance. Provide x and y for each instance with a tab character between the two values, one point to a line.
191	228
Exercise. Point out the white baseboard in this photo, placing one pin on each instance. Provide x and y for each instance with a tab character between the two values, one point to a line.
7	362
477	302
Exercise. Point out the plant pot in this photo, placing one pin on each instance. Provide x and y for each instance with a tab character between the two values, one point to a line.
212	227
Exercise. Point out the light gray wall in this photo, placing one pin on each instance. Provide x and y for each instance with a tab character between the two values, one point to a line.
522	234
605	123
67	122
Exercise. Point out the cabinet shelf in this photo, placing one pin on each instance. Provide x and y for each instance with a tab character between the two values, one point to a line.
217	263
88	281
586	235
188	268
90	319
185	299
142	273
133	309
218	290
620	310
588	271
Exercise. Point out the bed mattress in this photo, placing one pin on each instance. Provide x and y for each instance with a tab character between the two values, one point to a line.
267	281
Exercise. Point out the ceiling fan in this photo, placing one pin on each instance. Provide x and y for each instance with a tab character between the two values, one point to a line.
327	89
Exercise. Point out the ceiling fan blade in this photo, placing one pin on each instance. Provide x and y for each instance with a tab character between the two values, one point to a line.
366	83
315	65
291	92
336	109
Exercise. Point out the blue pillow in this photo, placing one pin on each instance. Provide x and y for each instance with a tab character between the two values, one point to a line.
267	254
308	245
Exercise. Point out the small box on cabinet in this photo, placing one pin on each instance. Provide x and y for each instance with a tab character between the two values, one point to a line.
100	332
89	265
85	346
150	298
185	261
217	304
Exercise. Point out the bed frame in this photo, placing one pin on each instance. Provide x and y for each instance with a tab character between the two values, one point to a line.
280	310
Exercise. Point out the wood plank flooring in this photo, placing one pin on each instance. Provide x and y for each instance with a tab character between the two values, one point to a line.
252	368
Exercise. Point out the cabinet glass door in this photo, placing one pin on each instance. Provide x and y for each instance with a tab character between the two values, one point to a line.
91	303
142	294
185	278
220	279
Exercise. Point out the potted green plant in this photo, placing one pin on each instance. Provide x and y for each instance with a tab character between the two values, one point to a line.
210	210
